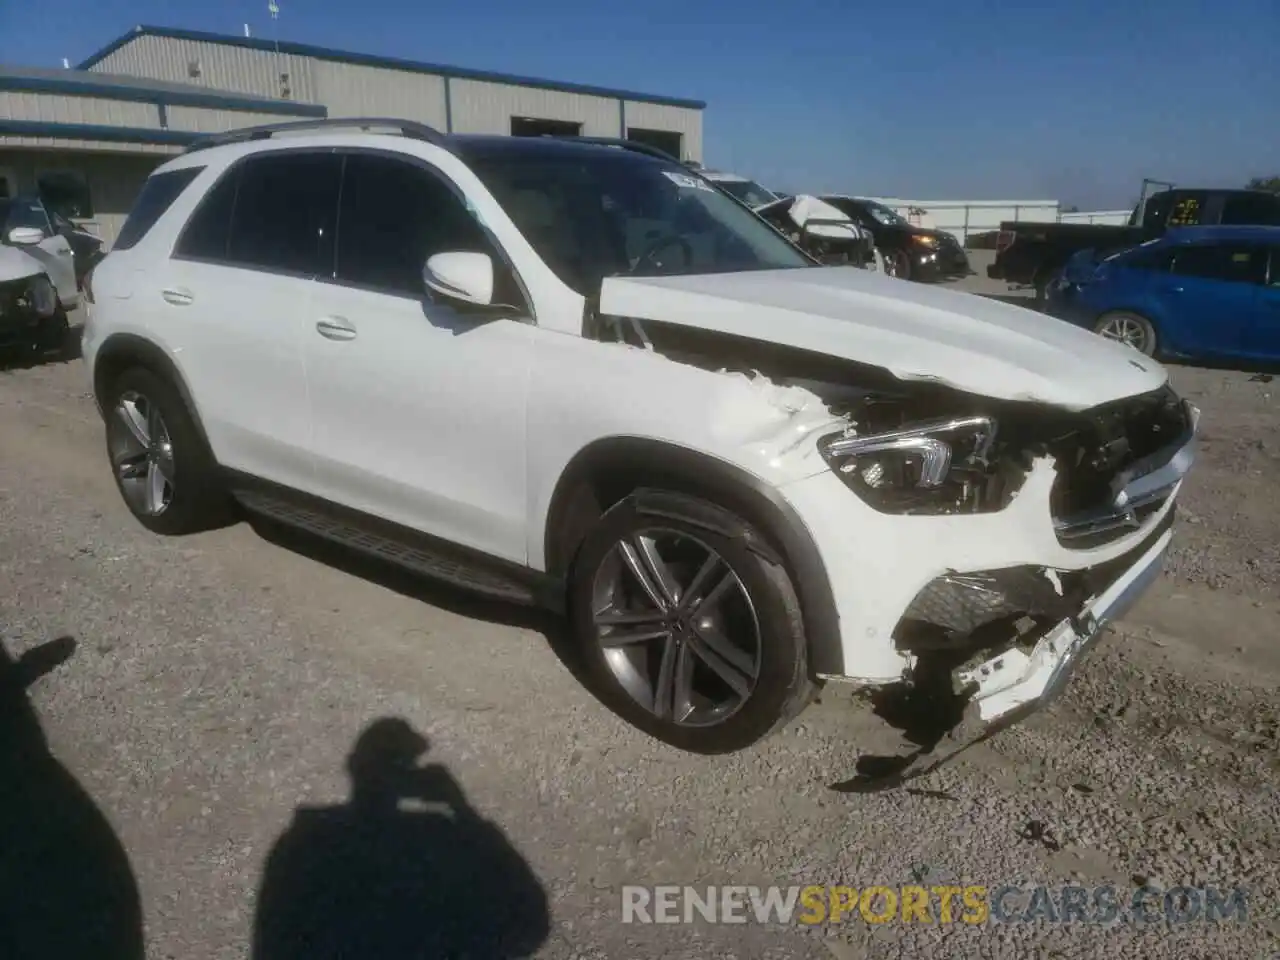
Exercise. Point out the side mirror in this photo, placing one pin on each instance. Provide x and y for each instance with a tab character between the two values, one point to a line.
26	236
462	276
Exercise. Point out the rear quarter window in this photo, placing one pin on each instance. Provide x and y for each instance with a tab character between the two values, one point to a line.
157	196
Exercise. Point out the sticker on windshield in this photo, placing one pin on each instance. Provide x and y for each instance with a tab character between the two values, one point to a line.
686	181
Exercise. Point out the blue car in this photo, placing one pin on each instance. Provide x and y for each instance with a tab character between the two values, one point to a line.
1194	293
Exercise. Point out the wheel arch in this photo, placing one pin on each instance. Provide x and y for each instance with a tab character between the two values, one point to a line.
665	478
121	351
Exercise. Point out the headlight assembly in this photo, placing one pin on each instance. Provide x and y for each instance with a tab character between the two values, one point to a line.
936	466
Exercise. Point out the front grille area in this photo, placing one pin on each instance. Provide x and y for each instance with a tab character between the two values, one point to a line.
1140	434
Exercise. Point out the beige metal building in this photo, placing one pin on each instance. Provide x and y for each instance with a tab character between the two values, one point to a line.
85	139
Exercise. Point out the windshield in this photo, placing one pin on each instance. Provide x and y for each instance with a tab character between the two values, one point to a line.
750	193
890	218
601	214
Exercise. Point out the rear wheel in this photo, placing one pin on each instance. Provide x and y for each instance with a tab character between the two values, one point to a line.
162	467
1130	329
687	632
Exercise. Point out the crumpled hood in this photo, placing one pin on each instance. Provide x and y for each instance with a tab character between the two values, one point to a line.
15	264
917	332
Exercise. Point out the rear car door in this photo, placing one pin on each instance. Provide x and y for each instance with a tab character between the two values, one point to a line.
418	406
53	252
1210	297
1264	335
239	287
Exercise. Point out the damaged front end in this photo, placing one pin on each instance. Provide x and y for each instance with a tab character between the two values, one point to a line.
26	304
1002	534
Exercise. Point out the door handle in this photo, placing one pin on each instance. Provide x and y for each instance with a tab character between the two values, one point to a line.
65	252
335	328
177	296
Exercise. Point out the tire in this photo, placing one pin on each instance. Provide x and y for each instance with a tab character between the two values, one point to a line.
55	336
1129	328
732	705
898	264
189	498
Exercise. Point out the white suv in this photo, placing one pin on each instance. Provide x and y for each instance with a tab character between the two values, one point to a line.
575	374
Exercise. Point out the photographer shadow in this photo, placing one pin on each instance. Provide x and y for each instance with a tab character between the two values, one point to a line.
66	886
405	869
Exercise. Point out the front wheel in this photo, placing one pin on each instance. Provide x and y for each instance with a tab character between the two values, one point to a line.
162	467
689	633
898	264
1130	329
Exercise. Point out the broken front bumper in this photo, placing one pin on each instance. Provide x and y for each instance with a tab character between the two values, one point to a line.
1016	680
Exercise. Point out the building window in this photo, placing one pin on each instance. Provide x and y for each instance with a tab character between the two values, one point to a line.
65	192
665	140
533	127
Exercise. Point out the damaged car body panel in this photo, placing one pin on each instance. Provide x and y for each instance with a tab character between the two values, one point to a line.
918	333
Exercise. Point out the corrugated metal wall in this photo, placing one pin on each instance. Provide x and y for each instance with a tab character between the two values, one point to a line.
351	90
222	67
59	109
481	107
656	116
204	120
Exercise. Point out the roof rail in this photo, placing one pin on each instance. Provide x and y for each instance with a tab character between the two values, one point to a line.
631	145
406	128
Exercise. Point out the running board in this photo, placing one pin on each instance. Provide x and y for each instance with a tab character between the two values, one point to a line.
408	549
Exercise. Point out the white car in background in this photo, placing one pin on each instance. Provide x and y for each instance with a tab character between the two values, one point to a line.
580	376
37	278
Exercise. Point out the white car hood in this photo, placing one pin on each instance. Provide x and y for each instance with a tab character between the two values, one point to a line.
917	332
15	264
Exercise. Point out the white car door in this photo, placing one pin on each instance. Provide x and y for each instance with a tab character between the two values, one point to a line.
417	408
237	294
53	252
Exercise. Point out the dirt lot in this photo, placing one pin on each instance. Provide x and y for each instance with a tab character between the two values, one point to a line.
212	691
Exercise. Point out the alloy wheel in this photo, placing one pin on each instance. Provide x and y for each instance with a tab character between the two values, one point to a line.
1125	329
677	627
141	454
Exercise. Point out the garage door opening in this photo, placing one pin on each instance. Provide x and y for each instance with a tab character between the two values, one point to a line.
533	127
664	140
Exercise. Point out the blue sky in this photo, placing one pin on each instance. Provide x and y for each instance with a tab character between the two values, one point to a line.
930	99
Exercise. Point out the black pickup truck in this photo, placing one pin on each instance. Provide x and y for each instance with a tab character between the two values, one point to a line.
1033	253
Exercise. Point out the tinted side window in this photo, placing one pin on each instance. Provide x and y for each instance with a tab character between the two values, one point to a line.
1250	208
393	216
284	213
1234	263
157	196
1158	259
1188	210
206	233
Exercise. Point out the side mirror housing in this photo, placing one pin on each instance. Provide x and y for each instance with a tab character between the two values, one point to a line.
25	236
461	276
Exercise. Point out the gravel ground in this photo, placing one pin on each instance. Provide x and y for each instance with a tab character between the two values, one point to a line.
207	719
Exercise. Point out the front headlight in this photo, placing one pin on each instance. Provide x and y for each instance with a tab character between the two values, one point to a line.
924	241
937	466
